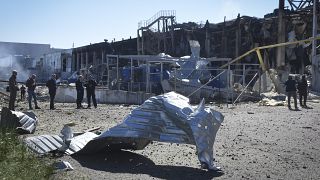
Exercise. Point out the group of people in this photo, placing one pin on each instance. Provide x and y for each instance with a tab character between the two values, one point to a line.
291	88
52	86
31	86
90	87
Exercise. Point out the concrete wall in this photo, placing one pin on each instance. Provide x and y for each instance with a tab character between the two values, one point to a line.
68	94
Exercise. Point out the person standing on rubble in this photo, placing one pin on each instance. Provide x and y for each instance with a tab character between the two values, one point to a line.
31	85
91	86
80	91
291	91
13	88
23	92
52	86
303	91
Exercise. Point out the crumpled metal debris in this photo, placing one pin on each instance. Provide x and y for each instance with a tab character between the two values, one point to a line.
78	142
50	143
166	118
45	143
24	122
66	133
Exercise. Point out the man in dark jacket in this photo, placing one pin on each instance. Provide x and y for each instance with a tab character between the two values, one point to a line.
303	91
52	86
291	91
31	85
80	92
91	86
13	88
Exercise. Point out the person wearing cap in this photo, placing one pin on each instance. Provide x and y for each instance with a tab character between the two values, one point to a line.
13	88
31	85
80	92
52	86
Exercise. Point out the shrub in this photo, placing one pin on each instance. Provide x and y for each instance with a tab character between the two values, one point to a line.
16	162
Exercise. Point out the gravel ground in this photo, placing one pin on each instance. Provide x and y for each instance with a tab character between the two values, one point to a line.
254	142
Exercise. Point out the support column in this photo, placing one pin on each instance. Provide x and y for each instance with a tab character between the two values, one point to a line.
82	60
118	72
172	37
161	71
207	43
94	59
281	35
142	43
78	61
164	36
108	73
224	40
238	37
73	62
102	56
138	42
87	59
131	71
148	77
315	62
159	37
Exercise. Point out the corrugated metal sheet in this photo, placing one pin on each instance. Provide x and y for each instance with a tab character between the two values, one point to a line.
25	122
48	143
78	142
45	143
166	118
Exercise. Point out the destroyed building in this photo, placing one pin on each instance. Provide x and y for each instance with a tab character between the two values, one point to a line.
58	62
134	64
229	39
113	63
30	58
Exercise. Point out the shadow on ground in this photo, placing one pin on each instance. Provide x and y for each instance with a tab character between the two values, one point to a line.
129	162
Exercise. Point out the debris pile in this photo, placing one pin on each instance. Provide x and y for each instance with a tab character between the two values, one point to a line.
272	87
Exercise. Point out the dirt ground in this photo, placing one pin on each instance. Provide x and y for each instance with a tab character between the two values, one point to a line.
254	142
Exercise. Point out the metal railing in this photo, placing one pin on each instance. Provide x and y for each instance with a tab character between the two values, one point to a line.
162	13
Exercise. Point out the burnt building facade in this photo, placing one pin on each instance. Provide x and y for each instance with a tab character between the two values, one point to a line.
229	39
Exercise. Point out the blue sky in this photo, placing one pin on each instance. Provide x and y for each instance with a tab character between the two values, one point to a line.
64	22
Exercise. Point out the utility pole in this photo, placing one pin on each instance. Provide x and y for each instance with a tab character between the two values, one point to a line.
315	64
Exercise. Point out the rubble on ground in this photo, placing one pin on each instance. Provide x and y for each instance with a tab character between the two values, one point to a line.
272	99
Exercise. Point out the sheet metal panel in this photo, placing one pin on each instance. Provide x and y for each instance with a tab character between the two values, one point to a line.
166	118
